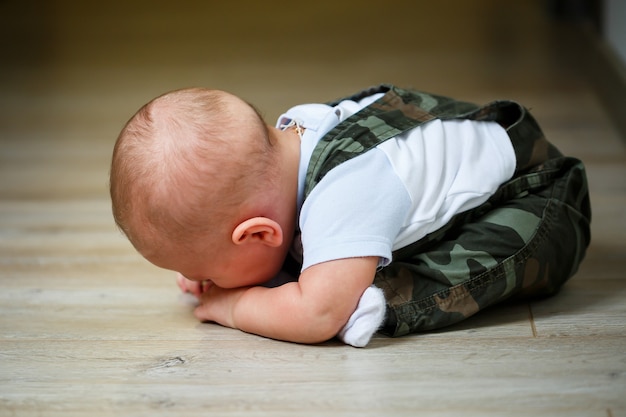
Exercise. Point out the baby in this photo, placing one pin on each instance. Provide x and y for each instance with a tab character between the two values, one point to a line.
443	205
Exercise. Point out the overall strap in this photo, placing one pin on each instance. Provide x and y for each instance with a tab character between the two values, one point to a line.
529	143
396	112
400	110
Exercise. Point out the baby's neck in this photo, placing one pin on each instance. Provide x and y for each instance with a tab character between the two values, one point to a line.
288	146
280	201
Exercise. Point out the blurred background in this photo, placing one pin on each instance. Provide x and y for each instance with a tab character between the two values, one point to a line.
72	73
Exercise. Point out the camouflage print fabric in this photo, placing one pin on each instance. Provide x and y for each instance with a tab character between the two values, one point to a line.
394	113
525	241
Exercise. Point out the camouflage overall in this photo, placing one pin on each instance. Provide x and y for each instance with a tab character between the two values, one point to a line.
525	241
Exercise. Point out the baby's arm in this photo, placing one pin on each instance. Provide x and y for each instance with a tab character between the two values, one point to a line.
306	311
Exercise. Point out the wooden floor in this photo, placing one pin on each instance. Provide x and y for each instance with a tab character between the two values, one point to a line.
88	328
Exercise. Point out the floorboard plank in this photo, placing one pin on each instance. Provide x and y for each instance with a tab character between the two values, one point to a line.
87	327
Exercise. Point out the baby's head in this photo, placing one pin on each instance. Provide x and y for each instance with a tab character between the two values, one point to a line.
184	165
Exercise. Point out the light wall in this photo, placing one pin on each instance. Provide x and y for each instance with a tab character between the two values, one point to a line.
615	26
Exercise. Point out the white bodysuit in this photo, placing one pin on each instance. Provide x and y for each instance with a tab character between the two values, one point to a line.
398	192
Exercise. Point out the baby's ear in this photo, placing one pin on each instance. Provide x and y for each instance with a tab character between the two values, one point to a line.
258	230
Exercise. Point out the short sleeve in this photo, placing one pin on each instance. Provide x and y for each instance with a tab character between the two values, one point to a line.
356	210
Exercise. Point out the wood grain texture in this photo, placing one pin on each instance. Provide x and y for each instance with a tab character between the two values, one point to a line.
87	327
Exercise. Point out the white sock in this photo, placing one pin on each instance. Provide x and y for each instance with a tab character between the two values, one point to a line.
366	319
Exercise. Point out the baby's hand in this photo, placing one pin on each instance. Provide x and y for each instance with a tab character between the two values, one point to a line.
196	288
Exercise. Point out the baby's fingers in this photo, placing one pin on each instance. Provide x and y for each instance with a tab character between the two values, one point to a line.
203	312
218	304
181	281
193	287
